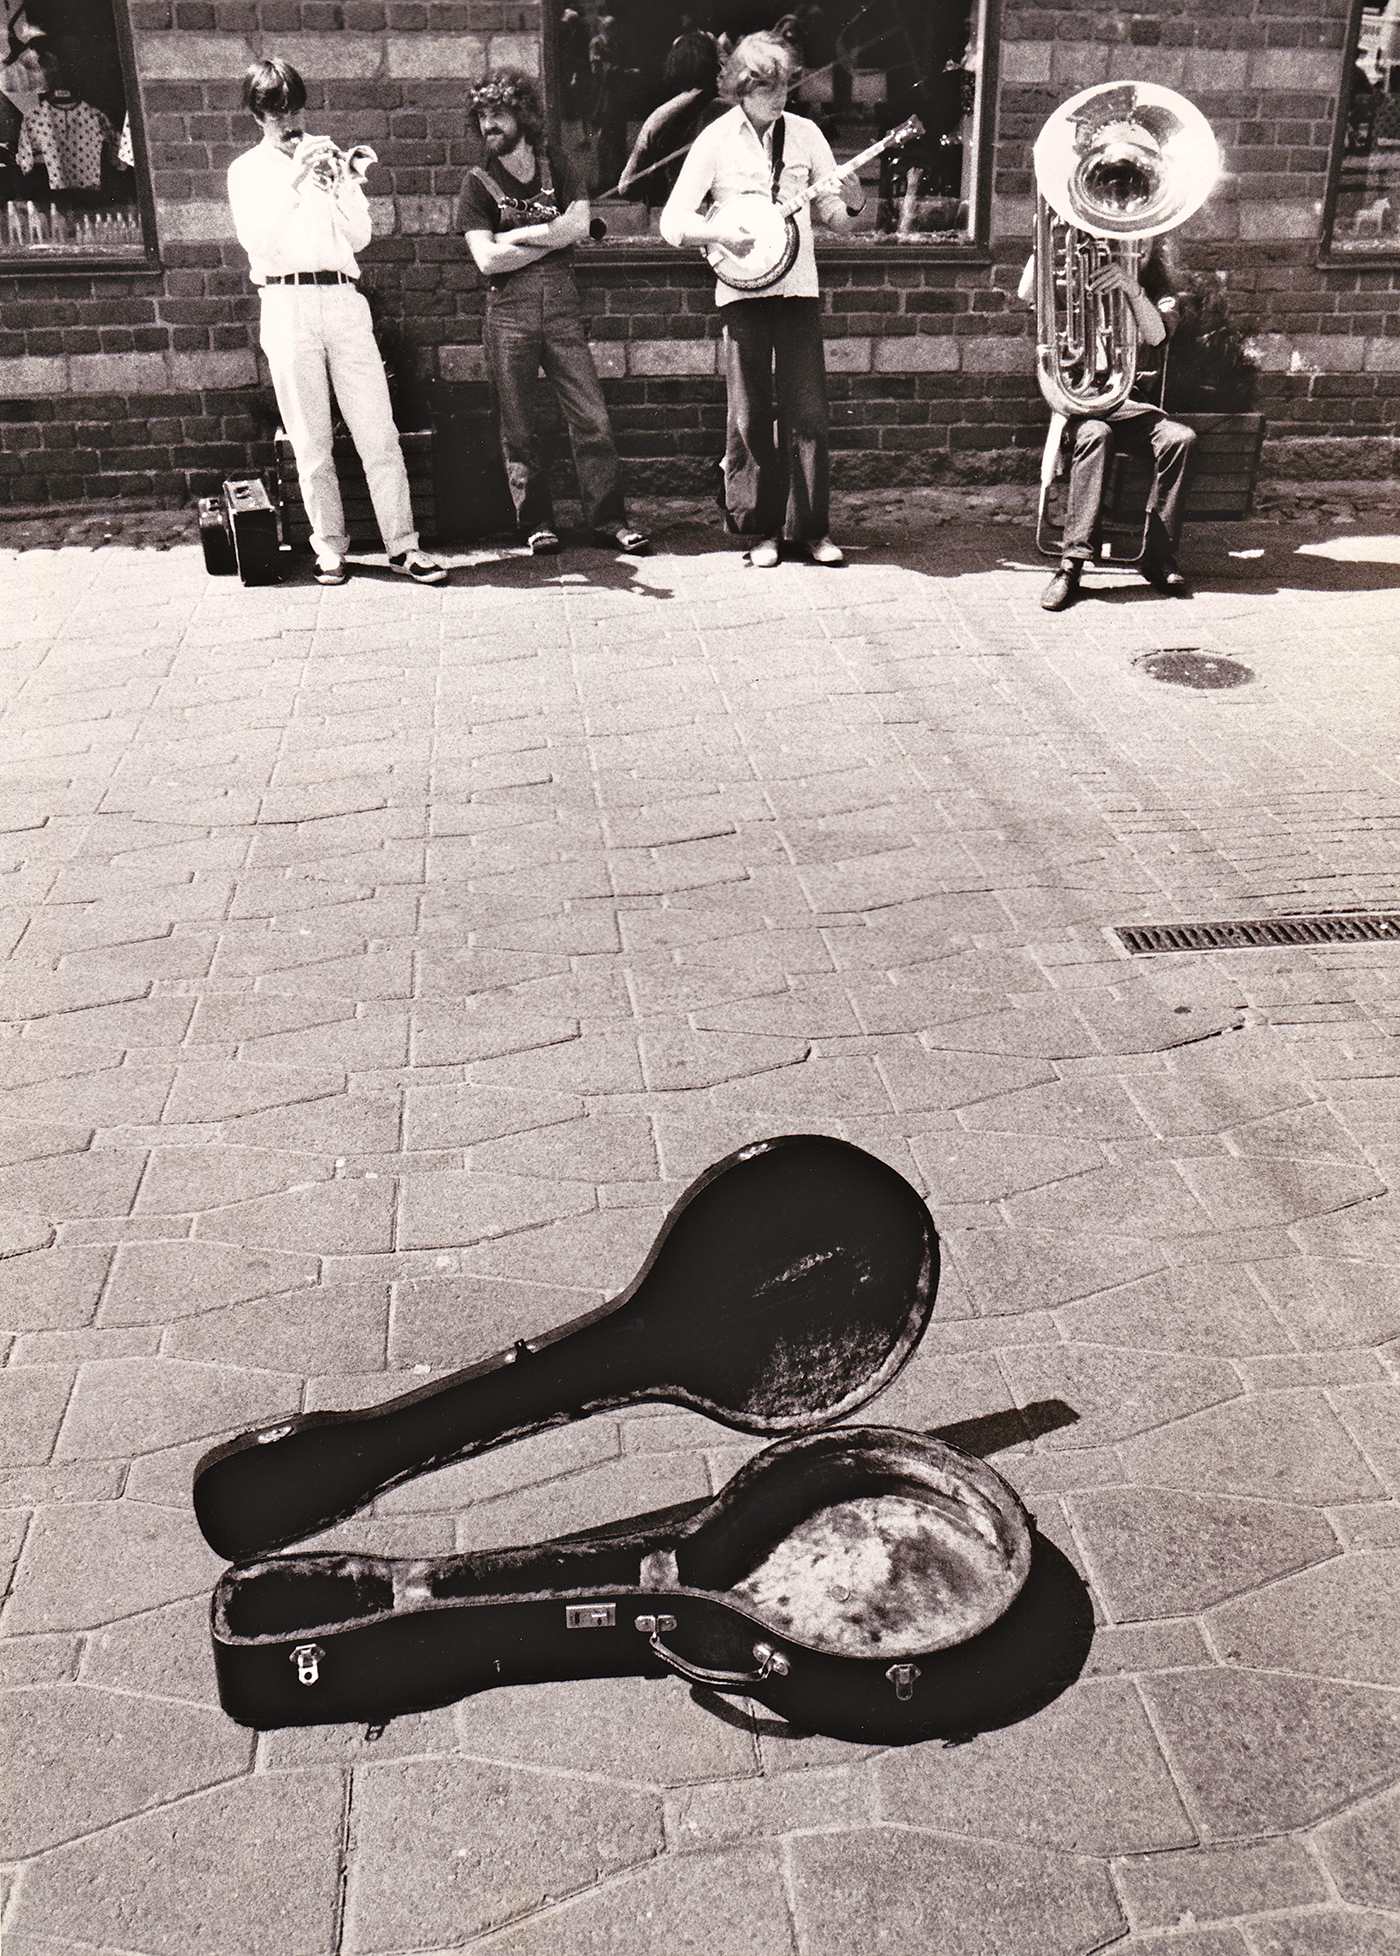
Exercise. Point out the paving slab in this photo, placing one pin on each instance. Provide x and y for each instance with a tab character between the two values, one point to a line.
379	966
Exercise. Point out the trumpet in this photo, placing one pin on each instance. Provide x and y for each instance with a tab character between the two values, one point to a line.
1116	166
332	166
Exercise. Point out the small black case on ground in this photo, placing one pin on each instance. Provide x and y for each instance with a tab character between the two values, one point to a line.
252	519
216	537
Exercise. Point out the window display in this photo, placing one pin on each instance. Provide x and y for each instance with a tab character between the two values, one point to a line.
69	182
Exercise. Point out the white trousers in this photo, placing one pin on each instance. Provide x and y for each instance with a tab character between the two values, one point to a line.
317	337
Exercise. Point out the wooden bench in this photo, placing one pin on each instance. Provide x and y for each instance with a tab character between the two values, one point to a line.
1220	484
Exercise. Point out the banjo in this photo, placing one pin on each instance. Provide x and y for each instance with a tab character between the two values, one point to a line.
773	225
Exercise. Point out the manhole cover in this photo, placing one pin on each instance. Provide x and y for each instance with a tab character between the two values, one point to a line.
1187	665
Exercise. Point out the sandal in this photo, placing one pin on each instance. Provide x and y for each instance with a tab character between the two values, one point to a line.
544	543
332	574
634	543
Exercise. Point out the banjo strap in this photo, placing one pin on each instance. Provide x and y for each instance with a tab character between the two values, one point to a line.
779	134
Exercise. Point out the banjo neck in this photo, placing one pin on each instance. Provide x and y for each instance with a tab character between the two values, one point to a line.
907	132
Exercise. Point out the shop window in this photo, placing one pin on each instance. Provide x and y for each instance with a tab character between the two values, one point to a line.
1364	201
73	186
633	83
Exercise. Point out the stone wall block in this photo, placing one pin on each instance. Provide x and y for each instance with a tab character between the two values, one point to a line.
924	354
1079	64
117	373
462	363
1165	66
1026	62
23	379
851	356
1013	217
193	223
610	358
329	57
1259	222
1382	356
192	57
439	57
997	353
515	51
671	357
1213	71
1329	353
190	371
1318	70
431	216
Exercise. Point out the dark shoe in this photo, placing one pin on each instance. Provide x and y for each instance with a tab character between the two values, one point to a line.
422	569
1166	575
544	543
1062	590
335	573
633	543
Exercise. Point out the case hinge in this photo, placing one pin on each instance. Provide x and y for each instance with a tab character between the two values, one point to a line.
307	1658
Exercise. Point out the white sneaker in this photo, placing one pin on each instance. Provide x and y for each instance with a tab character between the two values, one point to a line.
420	567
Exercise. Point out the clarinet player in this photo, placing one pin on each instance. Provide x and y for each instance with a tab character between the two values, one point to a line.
301	215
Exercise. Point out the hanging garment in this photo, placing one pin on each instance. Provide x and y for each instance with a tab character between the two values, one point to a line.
70	138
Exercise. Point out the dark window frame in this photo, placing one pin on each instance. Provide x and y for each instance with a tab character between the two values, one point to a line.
45	261
1333	256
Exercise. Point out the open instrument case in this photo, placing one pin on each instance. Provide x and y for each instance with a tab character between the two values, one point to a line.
862	1581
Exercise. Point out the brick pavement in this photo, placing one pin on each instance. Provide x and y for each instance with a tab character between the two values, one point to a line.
382	963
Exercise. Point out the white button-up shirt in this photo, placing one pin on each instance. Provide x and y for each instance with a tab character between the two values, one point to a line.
285	230
731	159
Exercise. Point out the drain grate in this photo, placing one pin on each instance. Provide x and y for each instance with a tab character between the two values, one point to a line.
1342	928
1188	665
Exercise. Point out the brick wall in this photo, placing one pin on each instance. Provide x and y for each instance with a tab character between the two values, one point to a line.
146	384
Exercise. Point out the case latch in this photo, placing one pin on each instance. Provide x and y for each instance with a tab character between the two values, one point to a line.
655	1626
902	1677
590	1616
307	1658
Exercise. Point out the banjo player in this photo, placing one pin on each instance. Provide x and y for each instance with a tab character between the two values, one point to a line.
774	493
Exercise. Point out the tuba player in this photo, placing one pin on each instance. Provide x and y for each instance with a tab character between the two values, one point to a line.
1138	426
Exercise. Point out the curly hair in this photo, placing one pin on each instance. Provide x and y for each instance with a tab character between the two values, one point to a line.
759	61
511	89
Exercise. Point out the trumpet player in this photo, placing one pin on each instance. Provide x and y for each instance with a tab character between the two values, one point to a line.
1139	426
300	213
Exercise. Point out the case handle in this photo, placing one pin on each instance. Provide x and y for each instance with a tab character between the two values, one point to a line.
770	1662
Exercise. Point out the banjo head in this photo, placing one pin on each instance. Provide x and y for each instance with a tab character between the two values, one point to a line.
769	258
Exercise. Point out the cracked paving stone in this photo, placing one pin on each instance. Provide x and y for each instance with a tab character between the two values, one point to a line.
1211	1307
455	1321
908	1895
932	1081
963	1167
1085	1775
1257	1754
451	1209
160	1282
1338	1620
1210	1884
222	1090
84	1565
32	1403
179	1180
1340	1932
80	1758
543	1457
1329	1302
123	1407
451	1035
1012	1271
643	1731
604	1062
1153	1200
350	1216
1116	1393
447	1849
1362	1851
675	1898
97	1182
163	1653
251	1869
1091	1107
681	1059
1162	1552
1250	1195
335	1327
601	1148
1281	1445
